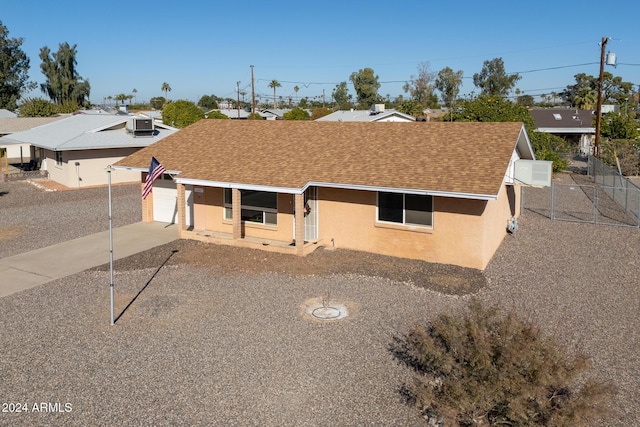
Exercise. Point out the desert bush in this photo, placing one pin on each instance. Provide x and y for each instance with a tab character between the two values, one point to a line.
484	368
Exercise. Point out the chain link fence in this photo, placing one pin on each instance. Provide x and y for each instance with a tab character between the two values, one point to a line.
601	196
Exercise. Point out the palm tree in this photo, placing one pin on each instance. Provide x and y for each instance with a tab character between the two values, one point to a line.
134	91
166	88
109	98
296	89
120	97
586	99
554	96
274	84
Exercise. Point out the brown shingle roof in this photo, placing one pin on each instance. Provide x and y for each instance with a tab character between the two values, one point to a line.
469	158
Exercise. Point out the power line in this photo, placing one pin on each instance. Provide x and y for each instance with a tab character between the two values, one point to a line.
554	68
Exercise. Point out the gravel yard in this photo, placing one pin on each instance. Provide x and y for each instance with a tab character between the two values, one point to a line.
214	335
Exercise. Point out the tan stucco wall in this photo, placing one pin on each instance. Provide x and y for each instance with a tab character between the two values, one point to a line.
91	169
209	215
466	232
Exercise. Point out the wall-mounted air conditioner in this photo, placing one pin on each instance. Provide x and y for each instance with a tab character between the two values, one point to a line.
536	173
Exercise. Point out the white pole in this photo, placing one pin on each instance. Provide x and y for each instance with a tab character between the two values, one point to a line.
109	170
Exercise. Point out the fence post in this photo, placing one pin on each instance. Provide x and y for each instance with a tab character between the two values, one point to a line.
553	198
595	204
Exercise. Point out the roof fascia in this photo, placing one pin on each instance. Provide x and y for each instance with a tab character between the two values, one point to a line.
130	168
567	130
291	190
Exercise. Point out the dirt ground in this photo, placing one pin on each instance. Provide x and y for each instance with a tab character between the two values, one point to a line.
447	279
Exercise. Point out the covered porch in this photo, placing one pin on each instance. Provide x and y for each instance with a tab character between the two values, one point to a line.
301	239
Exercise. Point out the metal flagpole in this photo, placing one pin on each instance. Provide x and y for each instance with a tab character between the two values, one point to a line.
109	170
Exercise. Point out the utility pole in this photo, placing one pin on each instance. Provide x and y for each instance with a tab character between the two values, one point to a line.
253	94
238	90
596	147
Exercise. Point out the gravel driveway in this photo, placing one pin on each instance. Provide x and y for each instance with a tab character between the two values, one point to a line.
213	335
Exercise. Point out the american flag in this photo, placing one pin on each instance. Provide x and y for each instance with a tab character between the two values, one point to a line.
155	171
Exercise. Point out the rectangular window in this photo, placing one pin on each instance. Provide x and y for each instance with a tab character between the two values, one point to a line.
407	209
257	206
59	158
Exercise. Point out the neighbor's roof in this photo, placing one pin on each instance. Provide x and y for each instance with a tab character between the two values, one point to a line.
4	113
558	120
18	124
365	116
86	132
468	159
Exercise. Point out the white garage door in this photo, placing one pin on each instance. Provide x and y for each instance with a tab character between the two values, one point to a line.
165	202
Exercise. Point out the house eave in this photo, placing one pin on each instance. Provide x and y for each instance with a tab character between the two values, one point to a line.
294	190
567	130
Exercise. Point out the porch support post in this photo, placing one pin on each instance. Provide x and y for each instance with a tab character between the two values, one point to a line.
182	217
236	211
299	226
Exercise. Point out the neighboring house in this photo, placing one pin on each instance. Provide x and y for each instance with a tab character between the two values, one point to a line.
21	153
6	114
234	113
438	192
76	150
575	126
376	114
275	114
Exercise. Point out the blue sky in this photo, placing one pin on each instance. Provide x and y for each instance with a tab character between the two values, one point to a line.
206	47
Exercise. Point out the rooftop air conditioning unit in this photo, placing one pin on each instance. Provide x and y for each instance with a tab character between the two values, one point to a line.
140	126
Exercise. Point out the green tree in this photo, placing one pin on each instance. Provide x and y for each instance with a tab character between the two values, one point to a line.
585	89
448	83
157	102
208	102
120	97
366	85
135	92
37	107
166	89
497	109
320	112
525	100
483	367
617	126
585	99
492	79
181	114
274	84
296	89
340	95
420	88
297	113
412	107
63	83
216	115
14	68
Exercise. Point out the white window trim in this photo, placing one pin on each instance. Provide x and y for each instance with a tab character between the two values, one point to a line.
227	208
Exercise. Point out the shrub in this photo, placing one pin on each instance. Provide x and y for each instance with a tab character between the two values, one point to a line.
296	113
485	368
37	107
